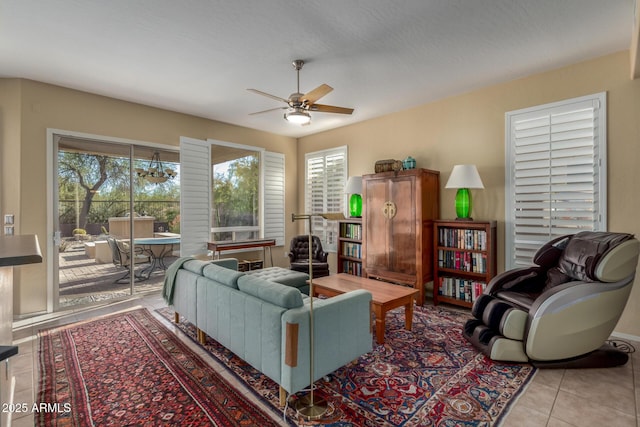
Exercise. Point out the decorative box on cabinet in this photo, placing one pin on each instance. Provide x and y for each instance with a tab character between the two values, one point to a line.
350	246
464	260
399	209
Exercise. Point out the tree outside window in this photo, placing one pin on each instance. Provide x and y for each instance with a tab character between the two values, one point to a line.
236	198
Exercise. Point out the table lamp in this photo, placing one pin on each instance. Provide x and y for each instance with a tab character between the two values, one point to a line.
354	187
464	177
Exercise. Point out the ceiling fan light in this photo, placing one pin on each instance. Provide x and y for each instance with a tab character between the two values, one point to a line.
297	116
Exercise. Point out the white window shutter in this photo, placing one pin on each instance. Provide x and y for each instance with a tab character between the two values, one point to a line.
326	175
273	200
195	196
555	174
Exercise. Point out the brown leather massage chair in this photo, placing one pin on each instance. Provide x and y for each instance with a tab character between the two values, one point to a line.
560	312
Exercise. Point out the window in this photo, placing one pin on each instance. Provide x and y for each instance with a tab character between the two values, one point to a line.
555	174
231	192
235	191
325	177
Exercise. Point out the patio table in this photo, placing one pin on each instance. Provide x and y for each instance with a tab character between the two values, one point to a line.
157	248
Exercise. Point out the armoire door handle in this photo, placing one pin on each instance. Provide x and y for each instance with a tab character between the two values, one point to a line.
389	209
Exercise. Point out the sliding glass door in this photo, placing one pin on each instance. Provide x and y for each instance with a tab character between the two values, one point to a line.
111	196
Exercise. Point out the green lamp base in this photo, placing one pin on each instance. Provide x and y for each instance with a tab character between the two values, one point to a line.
355	206
463	205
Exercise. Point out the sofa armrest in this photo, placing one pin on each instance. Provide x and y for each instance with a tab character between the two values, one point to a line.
342	333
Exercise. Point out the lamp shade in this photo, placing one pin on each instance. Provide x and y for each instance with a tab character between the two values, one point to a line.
354	185
464	176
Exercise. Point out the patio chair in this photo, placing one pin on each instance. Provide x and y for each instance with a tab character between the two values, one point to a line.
121	253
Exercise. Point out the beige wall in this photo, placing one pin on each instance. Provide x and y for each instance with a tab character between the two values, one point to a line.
43	106
470	129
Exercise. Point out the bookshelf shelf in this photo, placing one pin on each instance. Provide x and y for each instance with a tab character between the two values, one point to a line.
350	246
464	260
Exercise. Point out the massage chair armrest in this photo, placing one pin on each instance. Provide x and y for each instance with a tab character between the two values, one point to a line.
569	294
574	318
526	279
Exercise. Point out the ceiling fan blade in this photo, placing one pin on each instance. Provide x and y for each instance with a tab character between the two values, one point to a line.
268	95
266	111
315	94
330	109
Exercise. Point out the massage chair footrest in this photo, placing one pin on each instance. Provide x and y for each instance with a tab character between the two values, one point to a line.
492	344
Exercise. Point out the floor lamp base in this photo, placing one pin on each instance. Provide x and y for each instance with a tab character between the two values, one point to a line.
311	410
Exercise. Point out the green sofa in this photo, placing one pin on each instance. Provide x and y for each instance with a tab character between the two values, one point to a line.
267	323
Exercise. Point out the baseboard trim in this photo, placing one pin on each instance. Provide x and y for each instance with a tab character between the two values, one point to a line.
625	336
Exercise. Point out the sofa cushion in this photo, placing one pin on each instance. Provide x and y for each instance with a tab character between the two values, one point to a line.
282	275
222	275
275	293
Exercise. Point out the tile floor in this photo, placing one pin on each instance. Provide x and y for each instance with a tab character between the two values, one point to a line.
554	398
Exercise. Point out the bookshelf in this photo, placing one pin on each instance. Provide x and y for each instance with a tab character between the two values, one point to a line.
350	246
464	260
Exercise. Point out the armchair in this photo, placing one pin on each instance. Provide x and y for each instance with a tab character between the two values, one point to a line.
560	312
299	255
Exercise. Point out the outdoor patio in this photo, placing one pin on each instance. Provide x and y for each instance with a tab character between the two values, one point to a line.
84	281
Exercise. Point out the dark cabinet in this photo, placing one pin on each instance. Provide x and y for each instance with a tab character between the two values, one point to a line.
399	210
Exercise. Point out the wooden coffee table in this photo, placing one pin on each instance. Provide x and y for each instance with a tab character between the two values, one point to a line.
386	296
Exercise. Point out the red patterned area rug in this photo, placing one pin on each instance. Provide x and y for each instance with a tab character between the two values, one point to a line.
129	369
430	376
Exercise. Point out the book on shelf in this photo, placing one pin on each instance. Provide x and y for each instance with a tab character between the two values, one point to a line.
460	289
474	262
463	238
352	267
351	231
353	250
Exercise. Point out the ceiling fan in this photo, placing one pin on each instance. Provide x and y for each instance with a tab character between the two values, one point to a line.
299	105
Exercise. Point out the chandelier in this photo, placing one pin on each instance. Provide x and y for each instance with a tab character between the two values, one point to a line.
156	173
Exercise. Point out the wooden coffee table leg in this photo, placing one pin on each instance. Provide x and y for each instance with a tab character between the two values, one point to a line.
408	315
380	323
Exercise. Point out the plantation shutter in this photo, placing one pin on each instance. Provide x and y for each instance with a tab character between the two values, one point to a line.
273	199
556	177
326	175
195	196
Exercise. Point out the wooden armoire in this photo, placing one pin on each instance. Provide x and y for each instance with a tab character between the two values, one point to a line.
397	226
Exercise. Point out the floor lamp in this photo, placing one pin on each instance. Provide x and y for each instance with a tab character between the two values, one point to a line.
308	405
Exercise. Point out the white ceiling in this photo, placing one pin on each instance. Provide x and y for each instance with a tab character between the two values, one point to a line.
380	56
